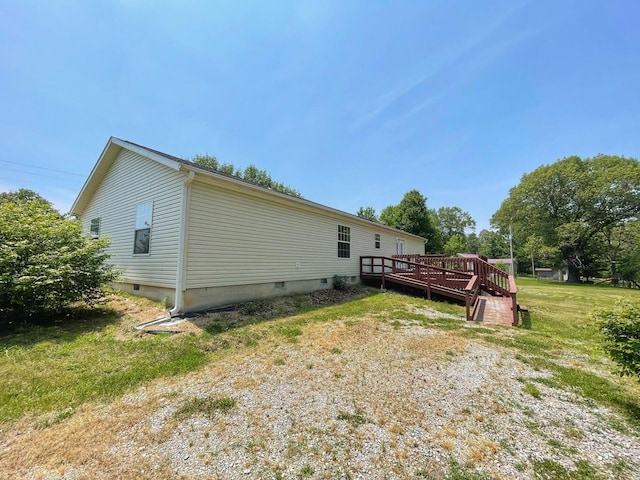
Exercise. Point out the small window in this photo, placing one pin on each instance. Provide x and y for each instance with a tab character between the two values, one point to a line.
142	238
344	241
377	240
95	228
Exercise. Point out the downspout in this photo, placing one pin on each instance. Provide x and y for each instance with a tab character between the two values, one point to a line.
182	246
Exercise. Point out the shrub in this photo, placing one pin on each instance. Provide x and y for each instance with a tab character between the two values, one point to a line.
46	262
503	266
340	282
620	326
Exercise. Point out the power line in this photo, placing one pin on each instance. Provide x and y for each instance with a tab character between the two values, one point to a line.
43	168
27	174
13	183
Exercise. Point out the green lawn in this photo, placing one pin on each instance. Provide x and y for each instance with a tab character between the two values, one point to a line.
52	370
57	368
561	337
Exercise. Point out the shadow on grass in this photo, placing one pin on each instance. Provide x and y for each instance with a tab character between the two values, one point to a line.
63	327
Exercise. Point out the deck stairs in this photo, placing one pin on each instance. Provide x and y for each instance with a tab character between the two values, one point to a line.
488	293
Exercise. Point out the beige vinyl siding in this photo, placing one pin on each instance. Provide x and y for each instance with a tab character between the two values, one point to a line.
239	237
387	243
131	180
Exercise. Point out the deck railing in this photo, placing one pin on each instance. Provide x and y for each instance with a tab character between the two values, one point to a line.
468	275
491	277
454	283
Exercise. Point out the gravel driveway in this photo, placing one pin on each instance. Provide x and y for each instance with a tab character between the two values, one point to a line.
363	399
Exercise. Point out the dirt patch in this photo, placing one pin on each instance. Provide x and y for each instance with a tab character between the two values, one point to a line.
249	313
332	296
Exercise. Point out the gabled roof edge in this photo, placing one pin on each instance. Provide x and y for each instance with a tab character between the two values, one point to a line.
78	202
114	145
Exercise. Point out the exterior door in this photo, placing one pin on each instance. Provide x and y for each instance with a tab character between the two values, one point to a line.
401	246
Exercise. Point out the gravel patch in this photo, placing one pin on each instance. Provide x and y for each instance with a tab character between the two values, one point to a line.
352	400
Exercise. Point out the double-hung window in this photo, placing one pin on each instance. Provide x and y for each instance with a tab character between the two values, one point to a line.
94	230
142	238
344	241
377	240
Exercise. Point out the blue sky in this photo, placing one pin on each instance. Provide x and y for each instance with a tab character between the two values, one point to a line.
353	103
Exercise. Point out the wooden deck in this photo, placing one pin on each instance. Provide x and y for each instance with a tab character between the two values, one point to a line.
488	293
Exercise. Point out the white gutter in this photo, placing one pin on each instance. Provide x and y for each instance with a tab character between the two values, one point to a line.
182	246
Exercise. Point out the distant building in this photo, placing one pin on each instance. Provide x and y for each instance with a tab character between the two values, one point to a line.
551	274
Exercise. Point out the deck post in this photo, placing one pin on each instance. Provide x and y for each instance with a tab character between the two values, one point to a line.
513	290
467	304
384	268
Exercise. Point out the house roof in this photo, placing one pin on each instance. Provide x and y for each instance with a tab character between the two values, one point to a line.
115	145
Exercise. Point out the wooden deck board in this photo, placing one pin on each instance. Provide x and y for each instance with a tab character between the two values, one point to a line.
494	311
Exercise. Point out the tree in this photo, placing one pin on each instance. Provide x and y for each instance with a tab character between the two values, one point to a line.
570	202
454	245
411	215
472	243
46	262
493	244
620	326
368	213
454	221
535	248
23	195
629	268
251	174
621	241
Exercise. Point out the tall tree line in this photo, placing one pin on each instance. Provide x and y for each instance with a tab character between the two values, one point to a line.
581	214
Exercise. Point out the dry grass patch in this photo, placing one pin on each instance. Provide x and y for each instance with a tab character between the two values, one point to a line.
379	402
480	450
81	441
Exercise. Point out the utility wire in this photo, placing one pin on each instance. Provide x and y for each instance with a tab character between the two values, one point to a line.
21	183
43	168
29	174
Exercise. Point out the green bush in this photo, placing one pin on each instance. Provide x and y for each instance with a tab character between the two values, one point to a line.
46	262
340	282
620	326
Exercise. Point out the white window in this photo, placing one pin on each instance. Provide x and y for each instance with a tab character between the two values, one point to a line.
142	238
401	246
344	241
95	228
377	241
